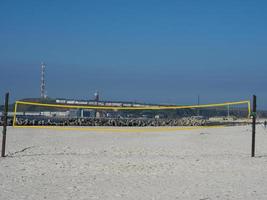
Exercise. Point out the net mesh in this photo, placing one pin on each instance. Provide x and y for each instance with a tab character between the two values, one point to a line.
32	114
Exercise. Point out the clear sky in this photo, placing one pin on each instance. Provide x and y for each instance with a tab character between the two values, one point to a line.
148	51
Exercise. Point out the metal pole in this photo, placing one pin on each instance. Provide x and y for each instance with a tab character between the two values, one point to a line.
198	102
5	125
228	111
254	110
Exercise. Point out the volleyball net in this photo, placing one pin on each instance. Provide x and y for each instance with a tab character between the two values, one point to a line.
48	115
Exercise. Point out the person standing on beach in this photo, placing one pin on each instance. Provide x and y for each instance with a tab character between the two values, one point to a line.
265	124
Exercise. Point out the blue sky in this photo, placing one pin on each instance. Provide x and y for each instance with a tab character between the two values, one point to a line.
148	51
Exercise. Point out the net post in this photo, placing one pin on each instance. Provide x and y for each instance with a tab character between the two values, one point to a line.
5	125
254	110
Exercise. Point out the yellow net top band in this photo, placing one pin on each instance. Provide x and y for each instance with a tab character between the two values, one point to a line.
135	108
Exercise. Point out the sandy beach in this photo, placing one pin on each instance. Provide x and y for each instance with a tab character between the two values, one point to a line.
200	164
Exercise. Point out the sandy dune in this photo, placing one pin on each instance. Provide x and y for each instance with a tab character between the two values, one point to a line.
195	164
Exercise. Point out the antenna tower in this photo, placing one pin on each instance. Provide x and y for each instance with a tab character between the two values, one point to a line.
43	81
96	96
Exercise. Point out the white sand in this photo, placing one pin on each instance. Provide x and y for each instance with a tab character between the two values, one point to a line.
197	164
